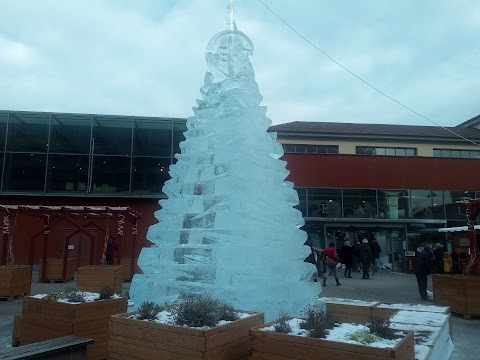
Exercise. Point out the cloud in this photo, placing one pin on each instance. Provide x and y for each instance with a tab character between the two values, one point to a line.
147	57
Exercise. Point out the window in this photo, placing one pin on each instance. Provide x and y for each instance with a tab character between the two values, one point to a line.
112	136
393	204
67	173
24	172
453	211
427	204
3	129
387	151
28	132
110	174
178	129
152	137
456	153
70	134
359	203
310	149
149	174
324	203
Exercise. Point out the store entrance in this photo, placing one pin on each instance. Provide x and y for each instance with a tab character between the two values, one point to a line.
389	239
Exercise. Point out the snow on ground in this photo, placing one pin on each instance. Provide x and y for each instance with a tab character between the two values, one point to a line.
87	296
419	318
347	301
415	307
340	333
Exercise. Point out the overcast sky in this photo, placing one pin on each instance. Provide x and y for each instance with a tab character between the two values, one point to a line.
146	57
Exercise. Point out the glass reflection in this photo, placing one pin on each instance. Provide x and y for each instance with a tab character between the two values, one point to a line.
67	173
359	203
393	204
149	175
112	136
427	204
110	174
70	134
24	172
28	132
324	203
454	212
3	130
152	137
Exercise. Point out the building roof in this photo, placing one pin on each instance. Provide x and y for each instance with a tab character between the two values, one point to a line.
472	122
375	130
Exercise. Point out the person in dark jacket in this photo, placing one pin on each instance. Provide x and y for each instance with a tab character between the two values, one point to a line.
438	253
366	257
347	258
423	267
330	259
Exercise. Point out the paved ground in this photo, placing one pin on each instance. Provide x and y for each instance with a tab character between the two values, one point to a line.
387	287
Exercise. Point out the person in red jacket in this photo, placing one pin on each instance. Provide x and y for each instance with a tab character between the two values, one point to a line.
330	259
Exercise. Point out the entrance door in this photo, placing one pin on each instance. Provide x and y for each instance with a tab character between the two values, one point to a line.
79	246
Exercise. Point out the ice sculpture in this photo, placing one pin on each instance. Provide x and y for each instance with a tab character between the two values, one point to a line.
228	226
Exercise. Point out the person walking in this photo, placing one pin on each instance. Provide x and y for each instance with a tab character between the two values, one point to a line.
423	267
365	255
347	258
438	253
376	250
356	254
330	260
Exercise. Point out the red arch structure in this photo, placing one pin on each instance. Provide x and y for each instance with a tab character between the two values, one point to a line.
472	210
55	215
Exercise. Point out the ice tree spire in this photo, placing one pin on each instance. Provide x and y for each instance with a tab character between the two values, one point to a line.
229	225
230	21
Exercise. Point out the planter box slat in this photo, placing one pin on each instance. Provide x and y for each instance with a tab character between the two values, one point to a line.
229	341
44	320
54	271
15	281
95	277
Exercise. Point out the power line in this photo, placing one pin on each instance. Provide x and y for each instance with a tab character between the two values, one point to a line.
362	80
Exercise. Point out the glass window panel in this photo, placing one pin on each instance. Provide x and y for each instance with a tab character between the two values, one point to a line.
310	149
28	132
324	203
67	173
400	152
112	136
332	149
474	154
149	175
393	204
359	203
453	211
178	129
437	152
289	148
3	129
152	137
301	149
365	150
390	151
110	174
410	152
427	204
455	153
70	134
445	153
380	151
24	172
465	154
302	197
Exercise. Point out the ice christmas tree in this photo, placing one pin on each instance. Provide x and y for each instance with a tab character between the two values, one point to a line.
228	226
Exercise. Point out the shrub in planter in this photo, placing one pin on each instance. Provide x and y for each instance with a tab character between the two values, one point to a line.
198	327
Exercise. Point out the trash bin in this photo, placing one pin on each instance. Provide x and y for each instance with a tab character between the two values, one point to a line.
446	262
410	262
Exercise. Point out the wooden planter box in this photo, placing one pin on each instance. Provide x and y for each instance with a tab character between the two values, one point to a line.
43	320
139	339
95	277
461	293
356	312
15	281
275	346
127	268
54	270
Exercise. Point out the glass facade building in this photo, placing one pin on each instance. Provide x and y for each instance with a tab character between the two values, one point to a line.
86	155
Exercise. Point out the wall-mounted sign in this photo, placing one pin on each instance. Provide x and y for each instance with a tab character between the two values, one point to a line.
71	247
